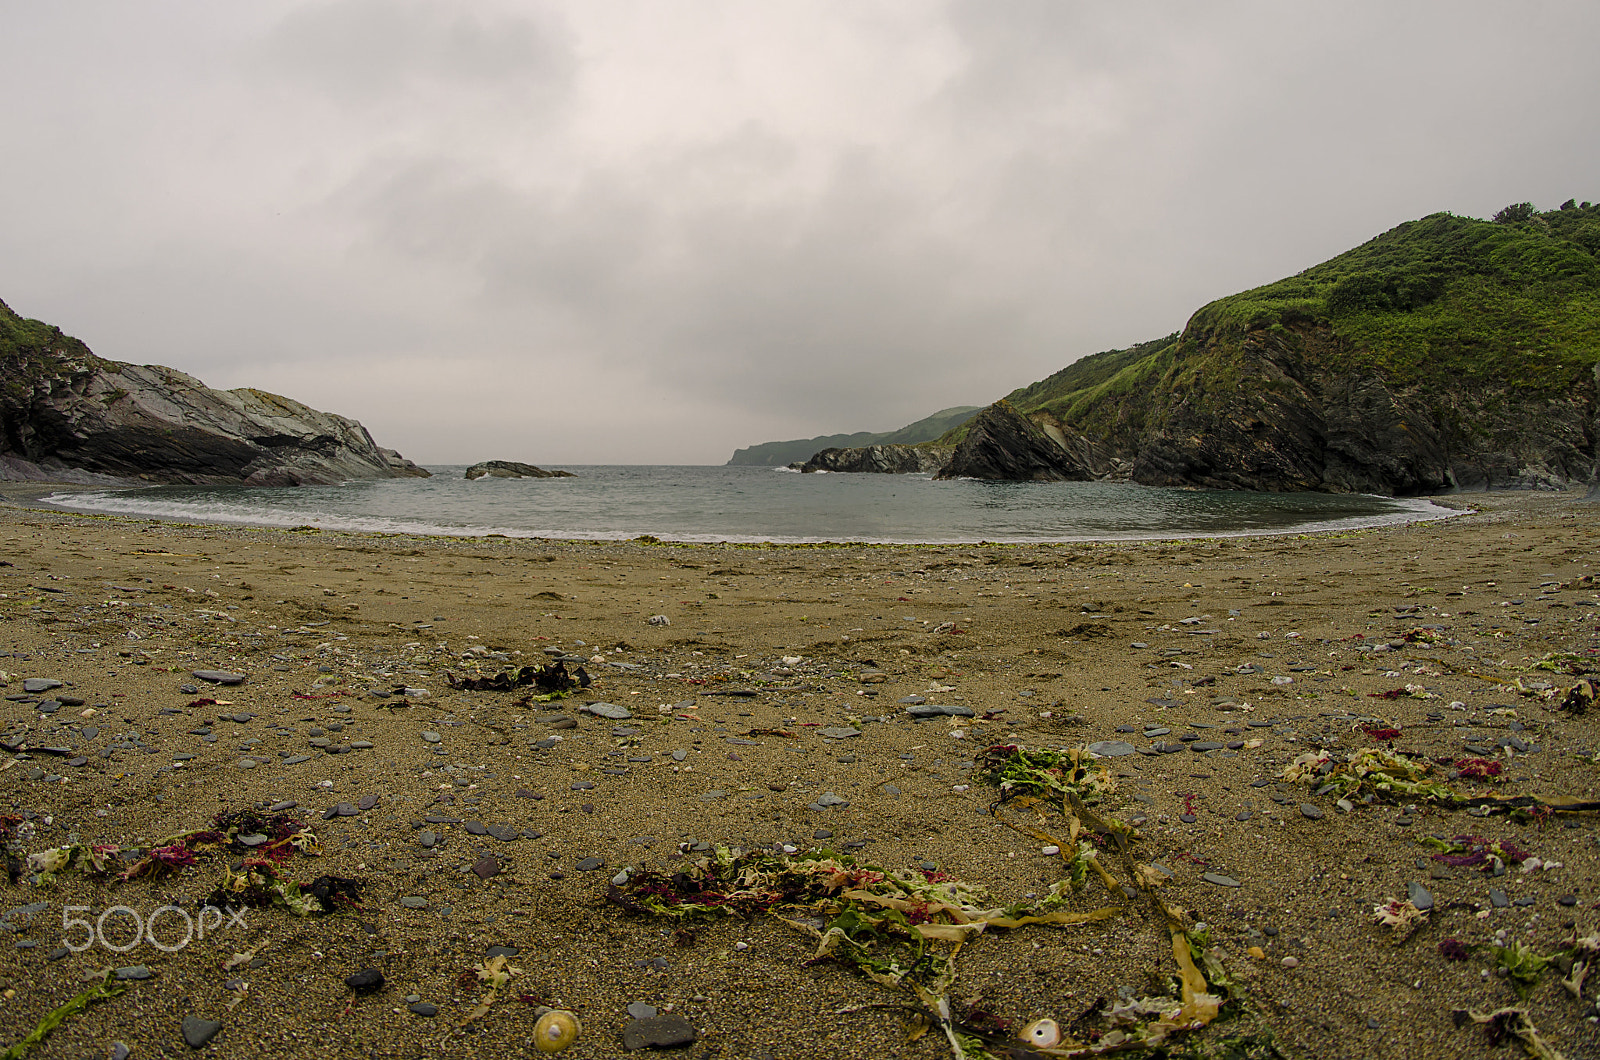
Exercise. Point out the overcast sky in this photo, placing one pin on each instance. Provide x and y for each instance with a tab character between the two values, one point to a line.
648	231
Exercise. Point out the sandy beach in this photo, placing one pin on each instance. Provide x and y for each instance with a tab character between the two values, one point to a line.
779	678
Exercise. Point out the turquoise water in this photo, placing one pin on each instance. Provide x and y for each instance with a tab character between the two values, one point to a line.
759	504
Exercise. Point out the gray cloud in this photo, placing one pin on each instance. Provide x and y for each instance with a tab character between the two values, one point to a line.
625	231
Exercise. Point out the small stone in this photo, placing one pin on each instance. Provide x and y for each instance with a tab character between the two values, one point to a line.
822	833
427	837
1112	748
1418	896
1219	879
679	756
839	732
660	1032
1345	805
1244	815
294	760
247	763
120	1051
1498	899
424	1008
220	677
1202	746
1290	962
431	737
1311	810
197	1032
640	1011
1568	900
606	710
40	684
484	868
1187	818
590	864
414	902
133	971
367	802
366	981
253	840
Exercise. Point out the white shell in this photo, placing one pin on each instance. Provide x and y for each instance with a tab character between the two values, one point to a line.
555	1031
1045	1033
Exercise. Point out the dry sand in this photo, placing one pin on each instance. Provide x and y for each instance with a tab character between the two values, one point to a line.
1062	643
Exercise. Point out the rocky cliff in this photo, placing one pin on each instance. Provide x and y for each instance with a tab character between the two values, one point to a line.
1001	443
1448	353
879	459
66	414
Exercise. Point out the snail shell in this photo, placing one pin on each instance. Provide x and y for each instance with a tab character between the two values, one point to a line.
555	1031
1045	1033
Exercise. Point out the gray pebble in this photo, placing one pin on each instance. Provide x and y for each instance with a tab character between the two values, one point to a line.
431	737
1311	810
424	1008
197	1032
1219	879
1419	896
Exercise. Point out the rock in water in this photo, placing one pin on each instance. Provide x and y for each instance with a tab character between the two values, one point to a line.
1002	443
880	459
512	469
74	416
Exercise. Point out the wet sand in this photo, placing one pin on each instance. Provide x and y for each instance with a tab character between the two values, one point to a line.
1052	645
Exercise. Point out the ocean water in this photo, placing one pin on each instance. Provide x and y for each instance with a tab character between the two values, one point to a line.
704	503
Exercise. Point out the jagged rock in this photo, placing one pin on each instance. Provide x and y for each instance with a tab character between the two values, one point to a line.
512	469
1304	425
66	414
880	459
1002	443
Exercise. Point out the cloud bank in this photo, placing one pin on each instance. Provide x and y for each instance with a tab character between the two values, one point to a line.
651	232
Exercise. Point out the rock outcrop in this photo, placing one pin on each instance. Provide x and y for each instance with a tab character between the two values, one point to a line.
66	414
512	469
1002	443
1304	424
879	459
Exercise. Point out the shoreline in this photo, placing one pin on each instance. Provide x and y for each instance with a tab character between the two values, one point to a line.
1049	646
37	493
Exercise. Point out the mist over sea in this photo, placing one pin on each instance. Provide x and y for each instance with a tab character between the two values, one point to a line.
707	503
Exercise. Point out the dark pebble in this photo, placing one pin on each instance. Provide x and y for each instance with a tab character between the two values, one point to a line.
1244	815
367	802
659	1032
1311	810
1187	818
484	868
366	981
501	951
425	1008
589	864
1568	899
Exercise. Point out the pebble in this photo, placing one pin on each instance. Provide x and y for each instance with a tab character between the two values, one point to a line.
485	868
40	684
414	902
679	756
839	732
640	1011
1202	746
659	1032
606	710
197	1032
247	763
1112	748
1418	896
428	838
424	1008
431	737
890	789
1290	962
1311	810
366	981
220	677
133	971
1050	850
590	864
1244	815
1219	879
933	710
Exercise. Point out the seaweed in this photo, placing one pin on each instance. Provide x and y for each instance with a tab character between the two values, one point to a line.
552	681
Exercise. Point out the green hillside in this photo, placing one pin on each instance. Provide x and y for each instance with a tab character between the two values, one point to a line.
778	454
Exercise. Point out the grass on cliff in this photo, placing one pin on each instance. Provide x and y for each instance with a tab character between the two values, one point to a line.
1514	302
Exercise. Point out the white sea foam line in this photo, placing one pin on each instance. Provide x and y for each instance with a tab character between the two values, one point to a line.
1416	509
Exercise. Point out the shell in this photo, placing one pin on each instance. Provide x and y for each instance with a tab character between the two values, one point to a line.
1045	1033
555	1031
